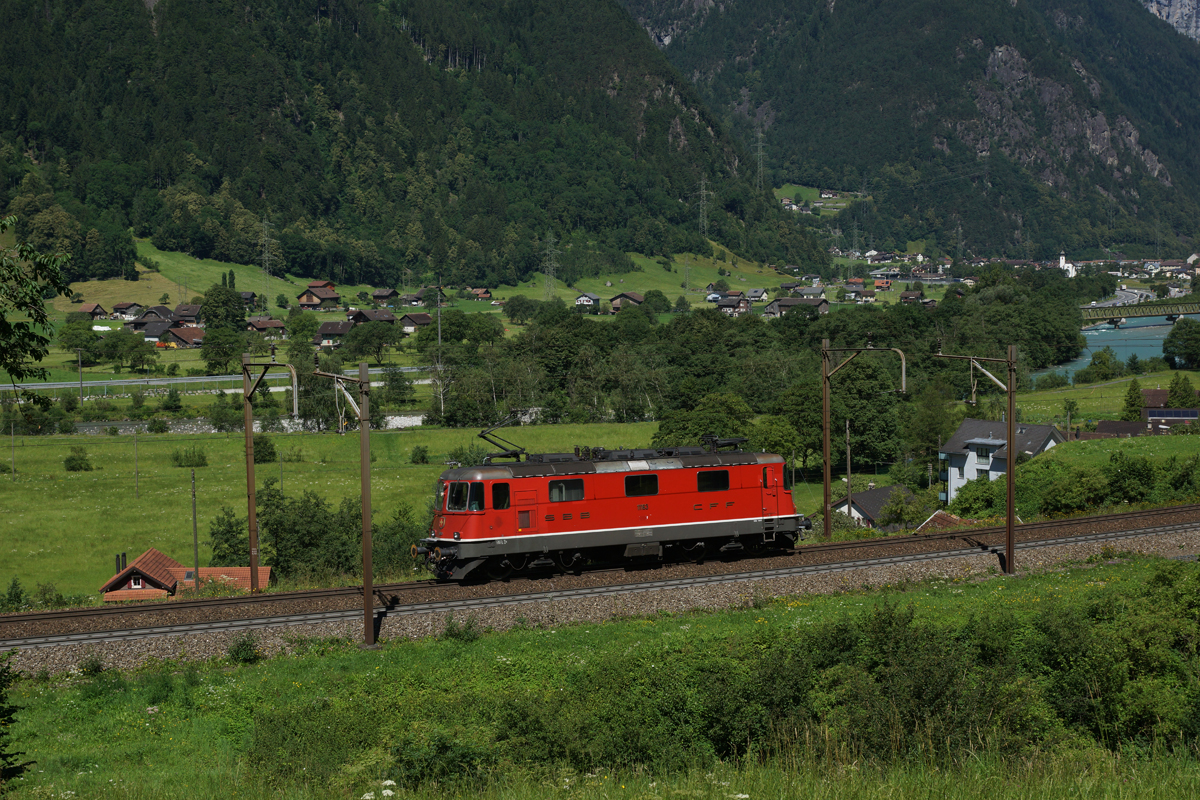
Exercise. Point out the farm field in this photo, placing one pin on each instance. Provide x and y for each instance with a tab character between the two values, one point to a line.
64	527
1096	401
636	705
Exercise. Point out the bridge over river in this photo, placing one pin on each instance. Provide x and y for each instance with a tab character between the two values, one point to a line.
1115	315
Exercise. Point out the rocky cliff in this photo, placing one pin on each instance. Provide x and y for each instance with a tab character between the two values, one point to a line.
1184	15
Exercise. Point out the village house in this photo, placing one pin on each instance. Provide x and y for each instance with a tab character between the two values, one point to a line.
362	316
587	300
93	310
183	337
412	322
271	328
330	334
127	310
1156	414
384	296
188	314
250	299
480	294
866	508
866	296
734	306
626	300
810	292
156	576
779	307
156	331
757	295
318	294
911	297
978	449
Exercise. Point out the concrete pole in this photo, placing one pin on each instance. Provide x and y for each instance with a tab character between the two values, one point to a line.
1010	547
364	438
195	538
825	448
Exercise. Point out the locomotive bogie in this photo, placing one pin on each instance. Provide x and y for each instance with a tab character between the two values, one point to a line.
561	512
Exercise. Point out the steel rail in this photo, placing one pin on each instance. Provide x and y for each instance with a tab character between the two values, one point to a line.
397	610
397	589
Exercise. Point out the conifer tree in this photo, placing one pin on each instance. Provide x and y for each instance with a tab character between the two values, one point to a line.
1131	411
1180	394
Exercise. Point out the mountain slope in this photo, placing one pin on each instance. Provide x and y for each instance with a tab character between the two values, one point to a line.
1015	128
426	139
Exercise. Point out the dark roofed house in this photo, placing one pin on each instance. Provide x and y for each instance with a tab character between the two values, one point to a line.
1156	398
734	306
412	322
866	508
187	313
93	310
318	294
587	300
1122	428
757	295
272	328
626	300
910	297
156	331
158	312
362	316
250	299
781	306
184	337
481	294
330	334
978	449
127	310
384	296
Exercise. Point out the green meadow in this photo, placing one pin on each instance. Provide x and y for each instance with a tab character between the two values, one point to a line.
776	699
1096	401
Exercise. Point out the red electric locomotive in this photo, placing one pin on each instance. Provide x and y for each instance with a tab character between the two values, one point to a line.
562	510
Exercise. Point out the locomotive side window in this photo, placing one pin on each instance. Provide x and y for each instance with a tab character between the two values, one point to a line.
565	491
716	480
457	498
641	485
441	494
499	496
475	502
766	477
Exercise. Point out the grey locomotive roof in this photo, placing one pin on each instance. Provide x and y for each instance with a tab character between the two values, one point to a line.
534	469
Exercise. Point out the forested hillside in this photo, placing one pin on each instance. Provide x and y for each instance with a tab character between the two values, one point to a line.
998	127
408	137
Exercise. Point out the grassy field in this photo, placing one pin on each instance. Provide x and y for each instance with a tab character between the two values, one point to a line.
64	527
1096	401
171	732
1096	453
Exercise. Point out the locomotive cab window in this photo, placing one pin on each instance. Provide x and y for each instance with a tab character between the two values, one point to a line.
456	498
716	480
566	491
641	485
499	496
475	498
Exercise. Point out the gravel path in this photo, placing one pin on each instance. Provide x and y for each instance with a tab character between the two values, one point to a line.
273	641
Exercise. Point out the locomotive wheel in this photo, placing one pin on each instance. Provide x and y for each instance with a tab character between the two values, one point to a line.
499	568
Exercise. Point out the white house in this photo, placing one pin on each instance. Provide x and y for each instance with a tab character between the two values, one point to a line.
979	448
587	300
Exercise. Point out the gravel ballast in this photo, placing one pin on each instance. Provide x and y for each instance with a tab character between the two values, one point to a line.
273	641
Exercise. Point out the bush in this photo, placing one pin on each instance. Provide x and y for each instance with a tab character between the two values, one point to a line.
294	456
69	402
112	430
466	632
138	399
77	461
90	665
244	649
194	456
172	402
471	455
14	599
66	427
420	455
264	449
158	426
1053	380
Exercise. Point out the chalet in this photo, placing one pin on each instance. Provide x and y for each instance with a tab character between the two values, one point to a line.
1123	429
866	296
855	283
382	297
626	300
362	316
156	331
158	313
587	300
184	337
911	297
330	334
481	294
271	328
187	314
412	322
757	295
250	299
127	310
156	576
811	292
409	300
1156	398
883	285
978	449
319	294
93	310
866	508
819	303
783	305
790	286
734	293
734	306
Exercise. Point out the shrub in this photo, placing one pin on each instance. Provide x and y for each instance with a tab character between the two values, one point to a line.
1052	380
159	688
69	402
264	449
158	426
48	596
66	427
294	455
14	599
138	399
420	454
244	649
466	632
90	665
471	455
172	402
111	430
11	765
194	456
172	370
77	461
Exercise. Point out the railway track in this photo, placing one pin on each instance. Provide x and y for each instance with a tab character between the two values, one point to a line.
394	604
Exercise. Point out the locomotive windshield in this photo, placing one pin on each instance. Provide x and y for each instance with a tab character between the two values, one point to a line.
464	496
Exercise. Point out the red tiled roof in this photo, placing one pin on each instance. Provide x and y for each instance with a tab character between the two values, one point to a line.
189	335
152	565
235	577
90	308
321	293
941	520
125	595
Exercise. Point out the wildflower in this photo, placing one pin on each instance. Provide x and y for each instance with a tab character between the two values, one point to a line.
152	710
389	783
369	796
387	793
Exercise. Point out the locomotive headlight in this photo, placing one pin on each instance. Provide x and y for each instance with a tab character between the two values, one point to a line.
457	536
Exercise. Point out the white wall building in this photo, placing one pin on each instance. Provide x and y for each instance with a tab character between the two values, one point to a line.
978	448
